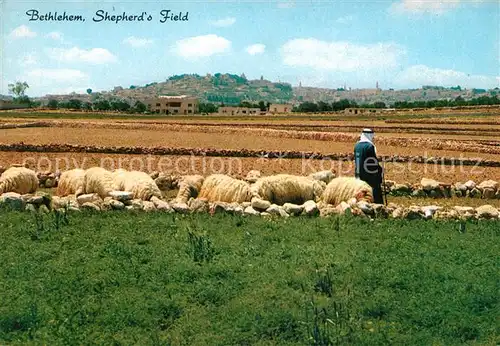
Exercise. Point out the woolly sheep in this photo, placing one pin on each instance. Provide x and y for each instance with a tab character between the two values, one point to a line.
223	188
252	176
119	177
285	188
98	180
140	184
189	186
167	182
343	189
71	182
325	176
18	179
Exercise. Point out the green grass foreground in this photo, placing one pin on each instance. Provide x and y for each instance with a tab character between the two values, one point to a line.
157	279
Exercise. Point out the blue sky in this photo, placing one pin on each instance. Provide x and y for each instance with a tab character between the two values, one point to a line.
399	43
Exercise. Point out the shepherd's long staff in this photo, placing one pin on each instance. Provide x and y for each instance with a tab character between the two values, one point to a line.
384	186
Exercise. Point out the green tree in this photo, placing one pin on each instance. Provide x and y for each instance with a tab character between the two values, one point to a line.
102	105
119	105
53	104
87	106
74	104
459	101
18	89
307	107
324	107
139	107
208	108
343	104
379	104
262	106
89	91
35	104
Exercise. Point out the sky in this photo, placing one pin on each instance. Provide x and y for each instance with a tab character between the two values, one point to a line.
398	43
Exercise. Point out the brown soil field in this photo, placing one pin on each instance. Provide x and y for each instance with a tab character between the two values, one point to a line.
425	131
239	167
432	123
235	139
471	136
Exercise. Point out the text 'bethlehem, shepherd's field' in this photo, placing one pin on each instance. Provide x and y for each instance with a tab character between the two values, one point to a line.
105	16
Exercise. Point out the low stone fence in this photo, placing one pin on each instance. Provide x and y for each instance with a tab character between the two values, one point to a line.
488	189
41	202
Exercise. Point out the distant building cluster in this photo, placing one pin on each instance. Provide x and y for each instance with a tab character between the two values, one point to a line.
176	105
280	108
187	105
273	109
357	111
228	110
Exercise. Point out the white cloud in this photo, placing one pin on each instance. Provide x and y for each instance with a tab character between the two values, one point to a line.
419	75
28	59
22	32
137	41
428	6
254	49
58	75
223	22
341	56
344	20
79	89
286	4
55	35
76	55
201	46
44	81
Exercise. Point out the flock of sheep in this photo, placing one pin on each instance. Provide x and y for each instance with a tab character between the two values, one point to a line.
278	189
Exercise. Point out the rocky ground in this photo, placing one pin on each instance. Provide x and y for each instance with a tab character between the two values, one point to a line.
119	200
487	191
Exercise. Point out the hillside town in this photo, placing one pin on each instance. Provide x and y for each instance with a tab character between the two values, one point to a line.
227	94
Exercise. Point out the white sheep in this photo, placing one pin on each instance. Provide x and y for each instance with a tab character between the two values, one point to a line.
18	179
167	182
325	176
119	177
252	176
223	188
98	180
71	182
141	185
343	189
285	188
189	186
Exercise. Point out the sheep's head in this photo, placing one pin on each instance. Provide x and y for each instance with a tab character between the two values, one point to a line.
252	176
324	176
167	182
319	187
364	195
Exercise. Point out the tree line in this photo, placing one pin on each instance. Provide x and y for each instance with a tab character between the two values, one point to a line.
318	107
99	105
457	102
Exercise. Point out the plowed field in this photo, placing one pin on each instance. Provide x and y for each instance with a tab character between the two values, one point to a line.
467	137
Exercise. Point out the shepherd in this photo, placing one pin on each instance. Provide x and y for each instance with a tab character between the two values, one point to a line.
367	167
